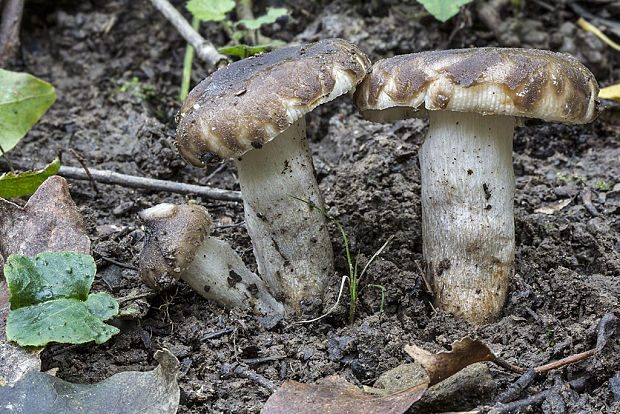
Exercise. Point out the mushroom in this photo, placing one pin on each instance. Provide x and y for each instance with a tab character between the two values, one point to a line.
472	98
253	111
178	245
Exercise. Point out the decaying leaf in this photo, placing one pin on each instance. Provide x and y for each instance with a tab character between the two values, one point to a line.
610	92
49	221
153	392
470	387
553	207
335	395
440	366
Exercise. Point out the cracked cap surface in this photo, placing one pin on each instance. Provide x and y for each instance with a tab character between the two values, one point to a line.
491	81
250	102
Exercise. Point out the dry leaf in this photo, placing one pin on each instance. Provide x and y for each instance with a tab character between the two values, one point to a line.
553	207
589	27
153	392
335	395
610	92
49	221
440	366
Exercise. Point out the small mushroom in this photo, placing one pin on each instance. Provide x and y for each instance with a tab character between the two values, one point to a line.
253	111
472	98
178	245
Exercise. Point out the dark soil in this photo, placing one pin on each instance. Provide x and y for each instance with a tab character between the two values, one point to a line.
568	262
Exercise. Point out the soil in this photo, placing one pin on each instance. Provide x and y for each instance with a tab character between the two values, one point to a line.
568	262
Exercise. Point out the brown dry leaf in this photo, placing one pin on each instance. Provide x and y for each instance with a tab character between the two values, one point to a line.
49	221
335	395
553	207
440	366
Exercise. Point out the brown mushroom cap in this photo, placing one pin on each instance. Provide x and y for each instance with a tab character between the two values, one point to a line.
250	102
173	235
517	82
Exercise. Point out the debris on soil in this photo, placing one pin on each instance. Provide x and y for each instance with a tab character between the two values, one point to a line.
567	263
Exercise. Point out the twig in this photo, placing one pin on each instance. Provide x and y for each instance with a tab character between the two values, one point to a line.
204	48
255	361
83	164
517	387
565	361
526	402
547	367
228	226
238	370
344	278
531	400
586	197
6	158
508	366
133	181
217	334
134	297
429	288
119	264
9	29
217	170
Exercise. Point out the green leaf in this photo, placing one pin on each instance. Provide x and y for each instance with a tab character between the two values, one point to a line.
50	300
61	320
244	51
210	10
48	276
23	99
271	16
442	10
26	183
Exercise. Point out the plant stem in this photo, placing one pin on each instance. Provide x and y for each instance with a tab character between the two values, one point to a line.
187	64
204	48
7	160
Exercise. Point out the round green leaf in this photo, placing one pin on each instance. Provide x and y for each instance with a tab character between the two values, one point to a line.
23	99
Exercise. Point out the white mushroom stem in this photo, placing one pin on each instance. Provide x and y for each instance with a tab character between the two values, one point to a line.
291	243
467	212
218	274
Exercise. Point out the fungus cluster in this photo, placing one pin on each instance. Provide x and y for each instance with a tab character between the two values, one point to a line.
253	111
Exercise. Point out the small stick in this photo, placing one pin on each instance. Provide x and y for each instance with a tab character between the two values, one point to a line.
217	334
238	370
217	170
134	297
119	264
586	197
83	164
565	361
255	361
134	181
526	402
8	162
517	387
508	366
426	282
9	29
344	278
204	48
